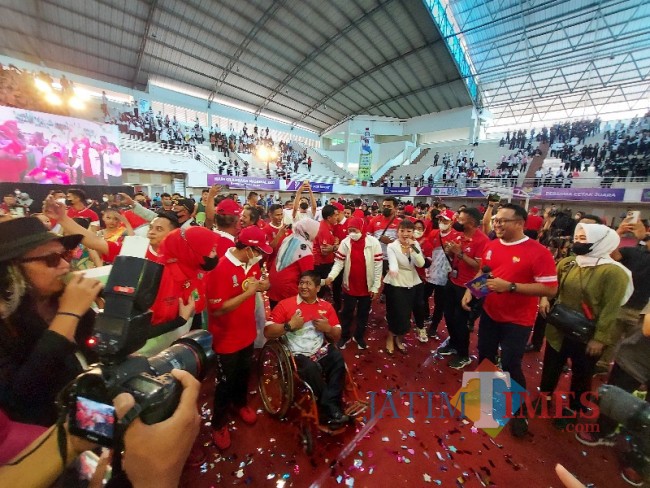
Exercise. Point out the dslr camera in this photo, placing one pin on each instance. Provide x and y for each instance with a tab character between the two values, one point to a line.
121	329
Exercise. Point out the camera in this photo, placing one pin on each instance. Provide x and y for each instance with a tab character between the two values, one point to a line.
634	414
121	329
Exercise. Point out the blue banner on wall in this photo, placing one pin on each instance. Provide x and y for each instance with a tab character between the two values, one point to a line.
315	187
397	190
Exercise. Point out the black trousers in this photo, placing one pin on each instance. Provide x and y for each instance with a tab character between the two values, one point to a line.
539	329
456	318
420	305
326	377
439	300
511	337
618	377
362	305
233	373
582	369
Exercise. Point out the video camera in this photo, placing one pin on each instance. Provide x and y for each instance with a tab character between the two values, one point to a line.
120	330
634	414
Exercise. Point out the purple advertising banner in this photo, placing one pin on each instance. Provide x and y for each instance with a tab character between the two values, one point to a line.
244	182
440	191
397	190
315	187
645	195
585	194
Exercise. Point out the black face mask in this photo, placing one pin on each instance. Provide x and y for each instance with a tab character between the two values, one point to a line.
387	212
209	263
458	226
581	248
68	202
304	206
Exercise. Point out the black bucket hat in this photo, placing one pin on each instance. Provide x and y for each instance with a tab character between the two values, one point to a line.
19	236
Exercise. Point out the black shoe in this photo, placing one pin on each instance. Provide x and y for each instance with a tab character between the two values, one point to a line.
518	427
337	420
532	348
342	343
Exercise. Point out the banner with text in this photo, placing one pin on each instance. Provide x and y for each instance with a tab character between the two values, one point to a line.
397	190
584	194
645	195
315	187
365	156
440	191
246	182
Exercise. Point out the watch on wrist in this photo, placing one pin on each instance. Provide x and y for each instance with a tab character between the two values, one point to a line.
512	288
287	327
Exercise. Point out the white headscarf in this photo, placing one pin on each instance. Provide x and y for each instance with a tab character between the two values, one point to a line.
605	241
297	245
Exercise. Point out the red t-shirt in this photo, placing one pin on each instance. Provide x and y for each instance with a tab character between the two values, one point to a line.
325	236
174	285
341	230
236	329
378	224
525	261
435	237
271	232
114	249
84	213
284	284
225	242
357	280
135	220
427	250
534	222
473	248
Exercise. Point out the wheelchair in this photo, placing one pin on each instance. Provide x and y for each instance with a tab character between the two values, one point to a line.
281	389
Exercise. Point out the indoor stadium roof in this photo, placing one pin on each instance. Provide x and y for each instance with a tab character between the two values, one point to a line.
311	62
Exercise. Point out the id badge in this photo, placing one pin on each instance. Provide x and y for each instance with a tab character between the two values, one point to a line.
453	274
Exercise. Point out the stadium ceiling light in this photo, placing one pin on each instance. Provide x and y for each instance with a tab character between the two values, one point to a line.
53	99
42	85
76	103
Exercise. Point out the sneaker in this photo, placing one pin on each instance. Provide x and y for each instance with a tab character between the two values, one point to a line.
518	427
631	476
337	420
460	363
422	335
221	438
446	351
361	344
248	415
593	439
342	343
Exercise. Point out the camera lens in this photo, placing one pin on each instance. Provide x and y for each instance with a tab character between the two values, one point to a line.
192	353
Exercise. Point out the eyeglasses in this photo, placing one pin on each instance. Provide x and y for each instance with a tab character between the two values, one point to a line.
51	260
503	221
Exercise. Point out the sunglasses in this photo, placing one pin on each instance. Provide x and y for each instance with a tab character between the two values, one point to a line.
51	260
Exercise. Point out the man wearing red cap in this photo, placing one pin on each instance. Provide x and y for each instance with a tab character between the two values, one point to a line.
360	258
231	305
226	216
408	212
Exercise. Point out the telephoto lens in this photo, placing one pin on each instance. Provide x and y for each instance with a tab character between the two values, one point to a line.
192	353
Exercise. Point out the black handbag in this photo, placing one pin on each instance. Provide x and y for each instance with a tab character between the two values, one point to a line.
572	323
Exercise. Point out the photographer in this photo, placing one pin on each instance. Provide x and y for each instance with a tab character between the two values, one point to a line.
44	323
154	455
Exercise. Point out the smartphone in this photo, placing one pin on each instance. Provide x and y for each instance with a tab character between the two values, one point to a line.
633	216
93	420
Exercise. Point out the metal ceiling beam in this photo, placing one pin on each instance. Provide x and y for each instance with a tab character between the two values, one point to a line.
143	44
268	13
315	53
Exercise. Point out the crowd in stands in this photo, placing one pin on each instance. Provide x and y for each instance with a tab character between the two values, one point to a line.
336	256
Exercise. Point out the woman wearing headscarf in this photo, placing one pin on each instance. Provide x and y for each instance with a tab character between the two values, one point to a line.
404	257
295	256
589	278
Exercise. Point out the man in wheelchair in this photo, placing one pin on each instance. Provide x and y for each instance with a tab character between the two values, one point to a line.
312	330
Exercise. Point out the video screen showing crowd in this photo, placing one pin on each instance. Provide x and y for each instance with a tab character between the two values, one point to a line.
497	270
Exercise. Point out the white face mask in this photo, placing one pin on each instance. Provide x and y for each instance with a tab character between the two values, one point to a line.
254	259
105	199
444	227
61	201
418	233
355	236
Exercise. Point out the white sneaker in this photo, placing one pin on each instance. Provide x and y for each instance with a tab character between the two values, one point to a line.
422	335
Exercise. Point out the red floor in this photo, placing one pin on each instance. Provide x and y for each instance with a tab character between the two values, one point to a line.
388	451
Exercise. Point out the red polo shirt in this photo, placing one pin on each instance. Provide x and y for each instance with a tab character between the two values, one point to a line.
84	213
284	284
271	232
534	222
325	236
236	329
473	248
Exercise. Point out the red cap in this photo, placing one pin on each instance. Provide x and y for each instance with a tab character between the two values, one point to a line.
255	237
338	206
228	207
447	214
534	210
409	209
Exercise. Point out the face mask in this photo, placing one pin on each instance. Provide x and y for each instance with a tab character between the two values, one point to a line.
581	248
105	199
254	259
444	227
458	226
387	212
355	236
304	206
67	202
62	201
418	233
209	263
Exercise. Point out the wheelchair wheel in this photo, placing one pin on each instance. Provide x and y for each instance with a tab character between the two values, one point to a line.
275	378
307	439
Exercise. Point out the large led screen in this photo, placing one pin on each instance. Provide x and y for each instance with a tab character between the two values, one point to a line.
36	147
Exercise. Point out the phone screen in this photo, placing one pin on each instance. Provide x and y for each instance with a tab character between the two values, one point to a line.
96	420
633	216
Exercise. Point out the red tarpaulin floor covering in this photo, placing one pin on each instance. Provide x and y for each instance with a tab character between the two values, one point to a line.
419	451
